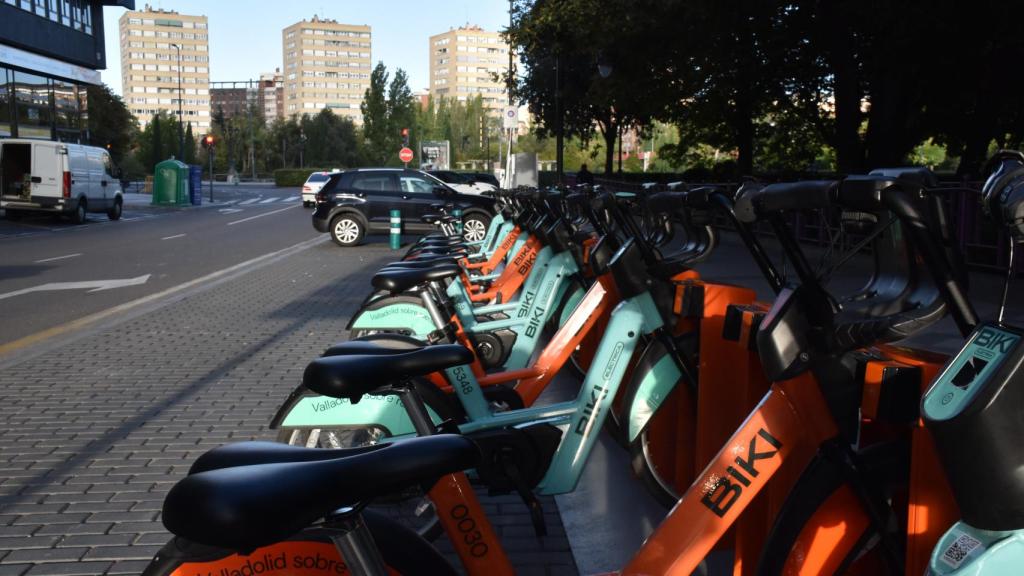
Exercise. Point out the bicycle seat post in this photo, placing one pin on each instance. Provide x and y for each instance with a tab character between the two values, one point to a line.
356	545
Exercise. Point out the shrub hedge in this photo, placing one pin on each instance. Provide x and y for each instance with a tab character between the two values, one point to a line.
295	176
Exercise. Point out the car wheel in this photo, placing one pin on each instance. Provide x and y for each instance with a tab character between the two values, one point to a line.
115	211
474	227
81	212
347	230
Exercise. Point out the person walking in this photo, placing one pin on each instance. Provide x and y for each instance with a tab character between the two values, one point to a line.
584	176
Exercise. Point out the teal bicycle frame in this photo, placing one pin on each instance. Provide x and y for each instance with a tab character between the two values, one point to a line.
544	288
581	419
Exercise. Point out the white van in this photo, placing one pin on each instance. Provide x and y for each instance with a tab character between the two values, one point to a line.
38	175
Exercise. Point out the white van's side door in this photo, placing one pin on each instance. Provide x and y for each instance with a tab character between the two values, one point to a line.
113	186
79	166
47	176
97	177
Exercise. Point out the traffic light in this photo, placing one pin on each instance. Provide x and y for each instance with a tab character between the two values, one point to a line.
208	141
405	137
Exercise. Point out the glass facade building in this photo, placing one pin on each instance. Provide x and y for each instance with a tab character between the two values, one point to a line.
37	106
50	52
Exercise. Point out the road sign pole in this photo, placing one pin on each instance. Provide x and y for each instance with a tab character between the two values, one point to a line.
210	154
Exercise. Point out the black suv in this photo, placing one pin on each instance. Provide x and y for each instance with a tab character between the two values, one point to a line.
355	202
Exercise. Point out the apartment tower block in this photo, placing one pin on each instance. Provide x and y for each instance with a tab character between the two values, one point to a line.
151	42
326	65
468	61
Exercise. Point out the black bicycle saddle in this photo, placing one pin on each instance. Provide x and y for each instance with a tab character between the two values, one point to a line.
401	279
245	507
351	376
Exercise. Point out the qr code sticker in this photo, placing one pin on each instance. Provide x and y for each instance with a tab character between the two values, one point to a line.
959	550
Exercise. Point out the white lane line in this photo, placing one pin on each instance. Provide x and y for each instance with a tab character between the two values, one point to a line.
57	258
249	201
178	292
269	200
172	237
261	215
294	199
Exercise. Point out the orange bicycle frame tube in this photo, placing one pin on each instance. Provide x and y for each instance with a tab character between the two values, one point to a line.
791	417
468	528
512	277
496	258
593	311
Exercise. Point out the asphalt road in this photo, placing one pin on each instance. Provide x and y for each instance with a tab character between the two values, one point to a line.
53	272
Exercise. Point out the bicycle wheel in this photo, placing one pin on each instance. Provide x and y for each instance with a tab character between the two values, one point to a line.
395	314
308	553
412	507
825	528
663	453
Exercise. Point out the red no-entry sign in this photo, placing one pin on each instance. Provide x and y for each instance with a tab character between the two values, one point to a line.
405	155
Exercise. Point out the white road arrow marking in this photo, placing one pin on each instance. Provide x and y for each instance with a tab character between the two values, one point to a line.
90	285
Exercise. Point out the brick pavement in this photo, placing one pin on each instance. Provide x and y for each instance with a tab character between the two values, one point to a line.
89	447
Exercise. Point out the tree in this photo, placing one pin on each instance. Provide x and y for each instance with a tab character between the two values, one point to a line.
375	116
565	44
190	146
111	125
332	141
387	109
156	150
401	112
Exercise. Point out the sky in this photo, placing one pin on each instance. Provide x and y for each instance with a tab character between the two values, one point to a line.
245	35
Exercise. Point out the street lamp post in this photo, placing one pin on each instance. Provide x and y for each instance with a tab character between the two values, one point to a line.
559	127
181	116
604	70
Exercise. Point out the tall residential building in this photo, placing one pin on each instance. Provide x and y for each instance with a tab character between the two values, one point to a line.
468	61
272	94
151	41
326	65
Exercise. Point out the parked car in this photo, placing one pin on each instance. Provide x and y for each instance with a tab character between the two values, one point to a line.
356	202
463	182
486	178
69	179
312	185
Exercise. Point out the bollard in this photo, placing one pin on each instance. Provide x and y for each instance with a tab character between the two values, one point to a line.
396	229
457	213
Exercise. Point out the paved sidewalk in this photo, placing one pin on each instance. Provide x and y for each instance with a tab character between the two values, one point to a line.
89	447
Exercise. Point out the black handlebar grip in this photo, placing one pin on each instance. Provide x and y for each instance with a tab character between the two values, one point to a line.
665	202
788	196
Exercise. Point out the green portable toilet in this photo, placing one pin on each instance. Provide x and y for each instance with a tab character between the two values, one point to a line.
170	183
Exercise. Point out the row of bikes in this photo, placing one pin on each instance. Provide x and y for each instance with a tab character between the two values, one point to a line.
795	433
